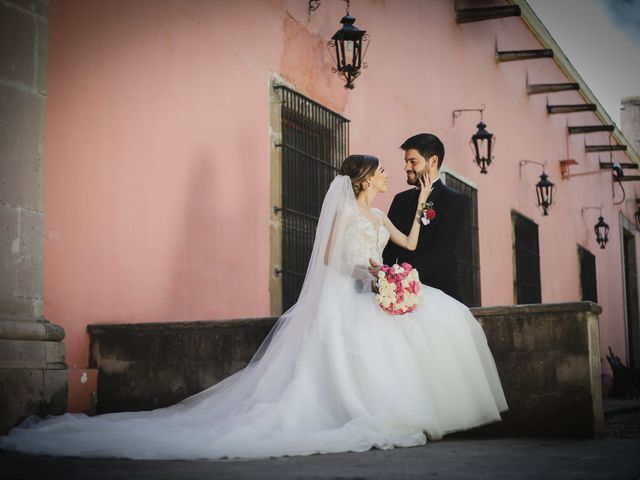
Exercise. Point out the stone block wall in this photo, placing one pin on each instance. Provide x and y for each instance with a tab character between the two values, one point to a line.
23	91
33	373
547	356
33	376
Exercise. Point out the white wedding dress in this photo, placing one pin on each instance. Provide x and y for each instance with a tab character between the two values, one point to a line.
335	374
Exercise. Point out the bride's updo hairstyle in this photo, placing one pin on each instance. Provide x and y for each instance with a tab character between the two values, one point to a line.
359	168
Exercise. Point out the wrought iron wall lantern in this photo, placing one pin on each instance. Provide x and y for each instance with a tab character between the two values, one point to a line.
349	46
545	189
482	142
601	228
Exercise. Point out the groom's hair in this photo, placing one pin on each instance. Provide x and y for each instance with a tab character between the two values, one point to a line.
427	145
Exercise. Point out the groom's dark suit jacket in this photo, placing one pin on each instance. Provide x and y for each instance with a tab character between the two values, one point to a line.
435	257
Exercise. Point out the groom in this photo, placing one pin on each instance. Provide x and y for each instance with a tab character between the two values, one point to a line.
435	257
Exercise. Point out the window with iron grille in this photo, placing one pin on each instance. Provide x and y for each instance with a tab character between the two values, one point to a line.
314	143
588	283
468	250
527	260
631	294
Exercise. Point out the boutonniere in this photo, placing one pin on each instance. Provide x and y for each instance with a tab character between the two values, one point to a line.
427	213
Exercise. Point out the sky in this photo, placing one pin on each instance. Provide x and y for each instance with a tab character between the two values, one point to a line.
601	38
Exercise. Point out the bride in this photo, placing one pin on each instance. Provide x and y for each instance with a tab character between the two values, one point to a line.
335	374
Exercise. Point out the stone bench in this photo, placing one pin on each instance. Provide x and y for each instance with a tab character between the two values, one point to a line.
548	358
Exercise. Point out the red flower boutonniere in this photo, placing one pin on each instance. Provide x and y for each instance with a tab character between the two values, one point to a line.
427	213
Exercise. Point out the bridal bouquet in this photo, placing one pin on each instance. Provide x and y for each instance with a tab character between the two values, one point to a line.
398	288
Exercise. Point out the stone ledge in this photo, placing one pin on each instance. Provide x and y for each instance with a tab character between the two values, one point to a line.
13	329
546	308
100	328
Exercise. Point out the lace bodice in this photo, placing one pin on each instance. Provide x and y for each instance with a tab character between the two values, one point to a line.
366	240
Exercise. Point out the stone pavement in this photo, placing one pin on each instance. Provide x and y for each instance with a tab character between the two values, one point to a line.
615	457
510	458
622	418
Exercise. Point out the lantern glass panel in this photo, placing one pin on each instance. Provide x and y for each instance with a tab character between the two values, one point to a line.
483	148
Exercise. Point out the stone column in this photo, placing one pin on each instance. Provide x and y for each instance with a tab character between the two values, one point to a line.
630	120
32	368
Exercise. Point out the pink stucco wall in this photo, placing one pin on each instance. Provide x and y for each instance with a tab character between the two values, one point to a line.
157	177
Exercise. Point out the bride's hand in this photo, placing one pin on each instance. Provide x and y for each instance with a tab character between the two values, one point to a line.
374	268
425	188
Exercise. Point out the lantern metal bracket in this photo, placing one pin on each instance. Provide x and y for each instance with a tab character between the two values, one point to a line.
614	167
458	112
522	163
566	174
313	5
584	209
